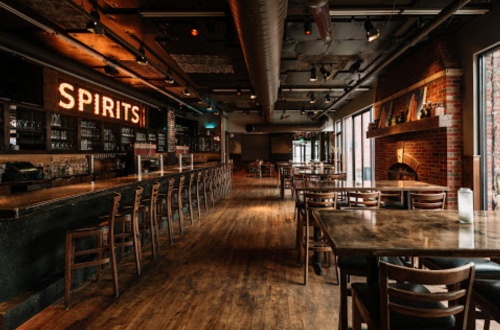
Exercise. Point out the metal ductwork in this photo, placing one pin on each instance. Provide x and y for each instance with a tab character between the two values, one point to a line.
316	3
260	25
317	126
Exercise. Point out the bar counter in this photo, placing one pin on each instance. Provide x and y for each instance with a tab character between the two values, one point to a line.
19	205
33	226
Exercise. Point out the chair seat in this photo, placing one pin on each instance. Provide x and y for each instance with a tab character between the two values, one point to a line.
489	289
370	297
95	225
359	263
395	205
484	267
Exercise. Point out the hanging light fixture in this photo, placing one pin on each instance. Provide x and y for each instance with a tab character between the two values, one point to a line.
238	90
245	112
253	96
307	26
326	74
169	80
372	32
355	66
195	29
93	25
312	99
187	92
209	108
303	112
313	76
328	99
315	111
141	60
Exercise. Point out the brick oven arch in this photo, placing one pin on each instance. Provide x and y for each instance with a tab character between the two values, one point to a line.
408	160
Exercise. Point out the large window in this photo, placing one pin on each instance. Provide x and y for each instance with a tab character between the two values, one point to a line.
490	127
357	148
302	151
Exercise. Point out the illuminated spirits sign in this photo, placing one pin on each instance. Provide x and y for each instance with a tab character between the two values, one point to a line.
76	98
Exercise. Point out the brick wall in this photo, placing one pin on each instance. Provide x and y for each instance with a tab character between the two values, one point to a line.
439	152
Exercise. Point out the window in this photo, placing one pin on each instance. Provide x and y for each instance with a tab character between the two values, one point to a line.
302	151
358	149
338	134
489	83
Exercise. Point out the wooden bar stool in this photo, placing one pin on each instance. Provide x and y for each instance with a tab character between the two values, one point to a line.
178	202
201	182
148	222
195	194
164	213
208	187
101	231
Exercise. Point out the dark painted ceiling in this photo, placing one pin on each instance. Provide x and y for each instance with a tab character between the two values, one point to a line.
211	64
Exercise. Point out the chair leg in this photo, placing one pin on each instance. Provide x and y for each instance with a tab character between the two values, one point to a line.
68	271
181	213
343	301
152	231
114	268
190	199
137	244
99	257
306	263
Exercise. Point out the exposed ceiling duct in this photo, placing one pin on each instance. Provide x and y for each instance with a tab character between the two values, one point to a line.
260	25
321	13
316	126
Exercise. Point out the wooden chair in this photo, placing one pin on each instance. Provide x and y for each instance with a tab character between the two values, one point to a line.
408	304
148	210
287	175
324	201
195	193
428	201
100	231
363	200
208	186
165	213
486	297
178	203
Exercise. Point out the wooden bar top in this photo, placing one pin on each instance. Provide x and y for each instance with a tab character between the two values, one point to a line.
411	233
15	206
373	185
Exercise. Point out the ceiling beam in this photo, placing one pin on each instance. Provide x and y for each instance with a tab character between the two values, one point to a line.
380	11
180	14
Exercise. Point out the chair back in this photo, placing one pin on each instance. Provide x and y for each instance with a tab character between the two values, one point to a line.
428	201
137	203
392	196
115	205
395	299
317	200
333	177
367	200
181	184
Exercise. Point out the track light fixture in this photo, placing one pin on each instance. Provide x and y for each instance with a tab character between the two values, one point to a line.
346	89
326	74
209	108
111	70
313	76
141	60
312	99
92	25
253	96
315	111
216	112
238	90
245	112
303	112
355	66
328	99
372	32
169	80
307	26
187	92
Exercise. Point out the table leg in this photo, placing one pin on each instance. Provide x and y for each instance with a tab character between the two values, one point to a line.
373	270
317	255
406	204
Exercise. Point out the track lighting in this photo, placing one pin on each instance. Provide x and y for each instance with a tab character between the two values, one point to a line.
92	25
307	26
195	29
315	111
141	60
238	90
169	80
245	112
372	32
187	92
303	112
209	108
326	74
355	66
216	112
253	96
111	70
313	74
346	89
312	100
328	99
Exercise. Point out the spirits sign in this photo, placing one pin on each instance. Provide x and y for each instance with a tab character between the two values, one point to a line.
78	99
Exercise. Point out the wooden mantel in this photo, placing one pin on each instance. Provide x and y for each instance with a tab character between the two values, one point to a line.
413	126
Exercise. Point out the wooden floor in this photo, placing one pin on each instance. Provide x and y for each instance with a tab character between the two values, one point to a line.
236	269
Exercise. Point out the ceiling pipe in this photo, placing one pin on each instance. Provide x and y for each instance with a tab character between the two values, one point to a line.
407	44
292	89
260	26
321	13
317	126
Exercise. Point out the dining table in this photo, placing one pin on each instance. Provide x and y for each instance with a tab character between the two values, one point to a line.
409	233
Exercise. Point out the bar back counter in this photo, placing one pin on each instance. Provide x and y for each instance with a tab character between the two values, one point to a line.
32	236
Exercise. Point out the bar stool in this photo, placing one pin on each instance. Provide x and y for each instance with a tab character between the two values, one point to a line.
99	231
148	218
164	213
201	183
215	194
195	194
208	187
178	203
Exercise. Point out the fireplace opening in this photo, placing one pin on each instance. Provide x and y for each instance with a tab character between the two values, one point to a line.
402	171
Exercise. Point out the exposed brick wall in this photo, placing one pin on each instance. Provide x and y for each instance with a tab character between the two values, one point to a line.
439	151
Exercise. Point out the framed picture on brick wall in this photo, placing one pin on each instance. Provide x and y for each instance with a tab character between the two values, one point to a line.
414	103
385	114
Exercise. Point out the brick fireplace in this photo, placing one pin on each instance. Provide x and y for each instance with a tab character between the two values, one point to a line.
438	151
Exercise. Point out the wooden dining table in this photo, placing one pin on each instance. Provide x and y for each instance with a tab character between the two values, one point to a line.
415	233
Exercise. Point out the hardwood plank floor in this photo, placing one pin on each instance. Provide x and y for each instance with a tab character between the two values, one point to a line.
235	269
